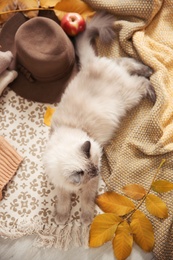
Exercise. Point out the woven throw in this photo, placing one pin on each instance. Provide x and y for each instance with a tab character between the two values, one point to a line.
144	31
28	204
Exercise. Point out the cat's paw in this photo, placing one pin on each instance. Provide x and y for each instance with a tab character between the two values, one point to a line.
61	218
146	71
151	93
86	218
143	70
146	89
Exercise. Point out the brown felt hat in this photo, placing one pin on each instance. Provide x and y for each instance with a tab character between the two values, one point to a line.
44	57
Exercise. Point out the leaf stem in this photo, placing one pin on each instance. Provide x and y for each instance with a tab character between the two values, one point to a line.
144	197
158	169
27	10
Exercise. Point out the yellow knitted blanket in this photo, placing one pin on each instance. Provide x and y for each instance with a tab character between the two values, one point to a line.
144	31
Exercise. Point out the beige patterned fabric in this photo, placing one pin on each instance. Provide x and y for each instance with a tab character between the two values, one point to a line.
144	31
28	200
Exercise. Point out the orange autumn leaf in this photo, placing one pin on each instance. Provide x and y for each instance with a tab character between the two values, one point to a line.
5	7
103	229
48	115
31	4
123	241
60	7
75	6
162	186
48	3
142	231
112	202
134	191
156	206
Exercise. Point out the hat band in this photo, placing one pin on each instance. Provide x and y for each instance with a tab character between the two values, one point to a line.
28	75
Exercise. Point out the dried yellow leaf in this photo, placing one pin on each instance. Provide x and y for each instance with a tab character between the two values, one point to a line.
5	7
123	241
142	231
75	6
48	115
103	229
156	206
31	4
162	186
111	202
48	3
134	191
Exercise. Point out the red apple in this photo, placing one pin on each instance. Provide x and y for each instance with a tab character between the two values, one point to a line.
73	23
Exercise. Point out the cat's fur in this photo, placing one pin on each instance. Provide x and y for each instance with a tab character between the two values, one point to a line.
87	117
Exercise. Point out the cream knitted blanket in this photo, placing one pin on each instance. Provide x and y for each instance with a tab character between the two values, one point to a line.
145	137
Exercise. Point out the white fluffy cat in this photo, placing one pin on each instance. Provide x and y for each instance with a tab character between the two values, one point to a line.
87	117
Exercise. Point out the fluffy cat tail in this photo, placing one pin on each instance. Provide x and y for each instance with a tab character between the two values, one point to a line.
101	25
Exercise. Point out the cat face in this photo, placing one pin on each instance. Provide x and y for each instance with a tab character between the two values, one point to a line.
72	158
87	170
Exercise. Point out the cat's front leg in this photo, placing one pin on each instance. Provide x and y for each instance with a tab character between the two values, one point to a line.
88	195
63	206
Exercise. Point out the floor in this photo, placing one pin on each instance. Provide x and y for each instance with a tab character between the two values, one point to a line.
23	249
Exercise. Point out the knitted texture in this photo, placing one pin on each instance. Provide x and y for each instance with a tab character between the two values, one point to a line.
6	78
5	60
144	31
9	163
6	75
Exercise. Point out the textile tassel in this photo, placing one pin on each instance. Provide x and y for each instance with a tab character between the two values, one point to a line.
58	243
63	235
67	237
28	226
44	240
76	233
12	233
46	237
85	235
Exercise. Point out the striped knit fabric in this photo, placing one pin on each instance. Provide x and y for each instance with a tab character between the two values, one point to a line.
9	163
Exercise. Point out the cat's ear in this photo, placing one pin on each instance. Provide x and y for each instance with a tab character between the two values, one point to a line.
86	148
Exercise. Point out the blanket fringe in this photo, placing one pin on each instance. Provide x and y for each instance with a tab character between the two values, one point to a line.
62	237
85	235
77	238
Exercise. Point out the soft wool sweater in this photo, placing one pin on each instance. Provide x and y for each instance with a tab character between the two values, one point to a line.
9	163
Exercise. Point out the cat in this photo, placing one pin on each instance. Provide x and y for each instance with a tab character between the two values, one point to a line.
89	113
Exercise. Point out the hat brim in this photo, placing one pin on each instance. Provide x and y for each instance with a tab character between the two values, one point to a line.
45	92
7	35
